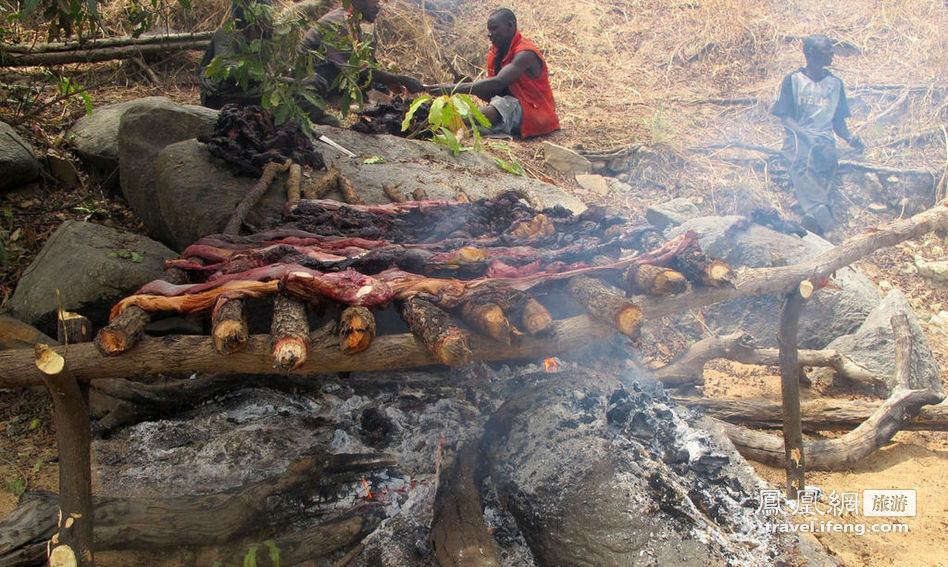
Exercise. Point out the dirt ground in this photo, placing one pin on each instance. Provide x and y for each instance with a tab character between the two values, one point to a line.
671	76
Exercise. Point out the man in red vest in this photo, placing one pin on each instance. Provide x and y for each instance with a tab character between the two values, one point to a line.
517	83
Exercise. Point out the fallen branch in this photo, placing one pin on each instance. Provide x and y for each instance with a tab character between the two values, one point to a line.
759	281
842	452
8	58
687	368
817	415
254	195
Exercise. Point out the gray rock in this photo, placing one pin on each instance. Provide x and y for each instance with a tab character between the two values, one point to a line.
936	271
95	139
672	213
416	164
830	313
873	346
17	159
144	130
565	159
92	266
196	193
592	182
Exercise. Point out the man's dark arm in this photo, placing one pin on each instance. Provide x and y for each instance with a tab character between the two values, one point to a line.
393	81
839	126
839	121
485	89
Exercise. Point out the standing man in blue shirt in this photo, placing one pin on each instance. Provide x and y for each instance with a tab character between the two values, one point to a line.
813	109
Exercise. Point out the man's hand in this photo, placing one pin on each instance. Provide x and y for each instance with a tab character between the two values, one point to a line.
856	143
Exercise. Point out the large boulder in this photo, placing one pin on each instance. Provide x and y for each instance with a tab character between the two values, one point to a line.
145	128
95	139
873	346
414	164
830	313
196	193
17	159
92	266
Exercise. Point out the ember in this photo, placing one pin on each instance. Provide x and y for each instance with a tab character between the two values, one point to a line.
550	364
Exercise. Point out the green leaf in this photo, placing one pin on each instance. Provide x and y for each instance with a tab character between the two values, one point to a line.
374	159
514	168
273	551
34	424
250	560
451	141
436	112
415	104
126	255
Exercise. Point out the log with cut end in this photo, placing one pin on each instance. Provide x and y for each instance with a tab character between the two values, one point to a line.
488	318
289	333
534	317
356	329
292	183
123	331
459	535
701	268
327	183
605	304
649	279
392	192
349	194
72	544
17	334
443	339
229	325
73	328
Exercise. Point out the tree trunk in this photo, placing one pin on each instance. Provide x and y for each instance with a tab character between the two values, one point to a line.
102	50
190	353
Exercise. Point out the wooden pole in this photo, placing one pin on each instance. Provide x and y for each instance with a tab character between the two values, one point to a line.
790	389
72	544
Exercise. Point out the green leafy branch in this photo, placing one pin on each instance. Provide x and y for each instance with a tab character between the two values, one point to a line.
449	118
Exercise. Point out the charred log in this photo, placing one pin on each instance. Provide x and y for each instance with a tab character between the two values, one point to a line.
817	415
446	342
702	269
649	279
214	519
191	353
123	331
607	305
458	534
289	334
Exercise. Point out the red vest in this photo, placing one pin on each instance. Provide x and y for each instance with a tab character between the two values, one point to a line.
535	95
